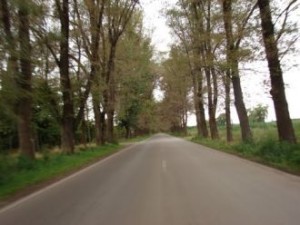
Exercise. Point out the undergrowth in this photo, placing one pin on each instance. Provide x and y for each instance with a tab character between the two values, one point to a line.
17	172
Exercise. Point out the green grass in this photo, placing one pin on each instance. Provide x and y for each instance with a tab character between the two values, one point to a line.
17	173
265	147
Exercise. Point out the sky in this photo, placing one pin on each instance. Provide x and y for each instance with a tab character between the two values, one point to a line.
254	91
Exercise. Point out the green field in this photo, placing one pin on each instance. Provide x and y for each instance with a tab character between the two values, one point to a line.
265	148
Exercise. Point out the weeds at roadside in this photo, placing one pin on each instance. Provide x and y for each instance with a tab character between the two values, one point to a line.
281	155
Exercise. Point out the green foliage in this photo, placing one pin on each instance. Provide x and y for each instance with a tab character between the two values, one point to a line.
136	78
221	119
17	173
46	113
176	84
258	114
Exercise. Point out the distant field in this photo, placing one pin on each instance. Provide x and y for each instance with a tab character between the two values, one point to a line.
265	148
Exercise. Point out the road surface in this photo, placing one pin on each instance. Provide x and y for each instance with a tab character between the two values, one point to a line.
165	181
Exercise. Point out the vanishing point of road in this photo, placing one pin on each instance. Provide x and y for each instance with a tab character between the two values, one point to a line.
164	181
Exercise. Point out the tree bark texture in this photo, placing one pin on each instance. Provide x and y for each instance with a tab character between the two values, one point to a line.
67	129
196	100
227	85
111	89
202	117
24	102
284	123
211	107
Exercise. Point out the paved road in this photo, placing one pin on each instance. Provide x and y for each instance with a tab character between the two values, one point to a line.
165	181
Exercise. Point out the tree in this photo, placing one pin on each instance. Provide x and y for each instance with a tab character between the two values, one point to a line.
186	28
135	77
233	64
176	85
119	14
284	123
67	135
258	114
24	104
221	119
95	10
19	69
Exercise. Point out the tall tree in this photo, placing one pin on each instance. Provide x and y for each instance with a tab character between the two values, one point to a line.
22	74
24	104
175	83
118	15
284	123
186	27
95	10
67	132
233	64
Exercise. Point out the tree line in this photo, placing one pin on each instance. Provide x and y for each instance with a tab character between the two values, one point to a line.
213	39
76	71
71	70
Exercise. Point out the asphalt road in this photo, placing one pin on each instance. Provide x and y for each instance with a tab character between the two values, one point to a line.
165	181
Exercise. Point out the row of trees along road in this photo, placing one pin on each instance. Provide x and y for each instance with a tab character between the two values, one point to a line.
72	69
213	38
61	58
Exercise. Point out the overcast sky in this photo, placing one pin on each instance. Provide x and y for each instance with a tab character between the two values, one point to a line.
254	90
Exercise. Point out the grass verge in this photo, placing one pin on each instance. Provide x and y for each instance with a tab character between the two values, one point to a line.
268	151
17	173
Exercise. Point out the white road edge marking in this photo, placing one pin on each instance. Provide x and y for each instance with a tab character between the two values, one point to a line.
47	188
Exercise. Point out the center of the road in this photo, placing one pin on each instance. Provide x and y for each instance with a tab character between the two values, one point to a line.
164	165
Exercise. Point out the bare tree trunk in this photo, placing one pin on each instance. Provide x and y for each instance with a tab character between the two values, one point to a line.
26	139
233	65
284	123
67	136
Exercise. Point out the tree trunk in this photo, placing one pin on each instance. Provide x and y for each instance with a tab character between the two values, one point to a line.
211	108
23	103
203	125
227	81
208	59
110	126
196	105
239	104
215	101
26	140
284	123
110	81
67	136
102	127
97	115
233	65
